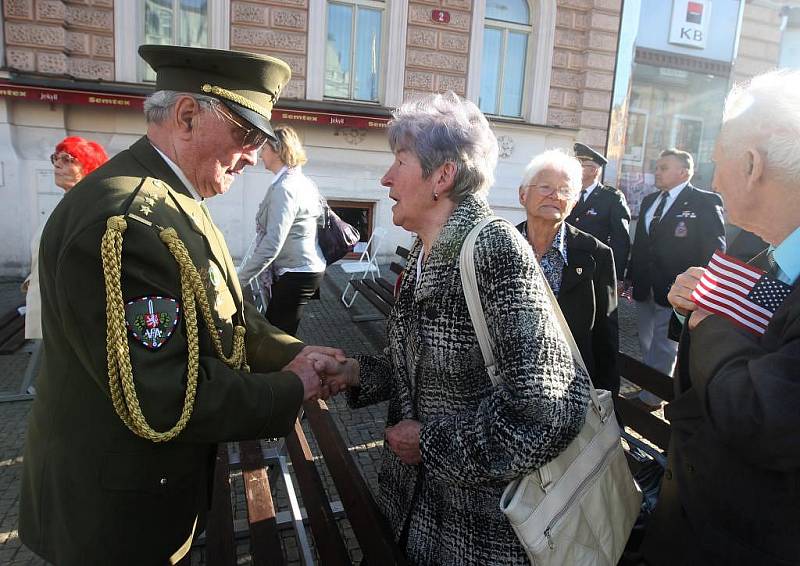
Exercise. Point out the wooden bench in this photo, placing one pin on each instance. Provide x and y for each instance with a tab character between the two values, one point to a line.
260	469
380	292
635	416
12	331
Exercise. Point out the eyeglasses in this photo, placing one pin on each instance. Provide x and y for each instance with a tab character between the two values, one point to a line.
63	158
547	190
251	139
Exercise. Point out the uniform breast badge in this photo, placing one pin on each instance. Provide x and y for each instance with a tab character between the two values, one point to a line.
152	320
681	231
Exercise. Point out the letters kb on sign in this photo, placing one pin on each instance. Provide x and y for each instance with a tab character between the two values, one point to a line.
690	19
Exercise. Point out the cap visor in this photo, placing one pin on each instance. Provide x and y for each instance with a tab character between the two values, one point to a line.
254	118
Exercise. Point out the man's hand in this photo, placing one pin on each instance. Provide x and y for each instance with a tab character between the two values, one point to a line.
697	317
680	294
403	440
303	367
314	352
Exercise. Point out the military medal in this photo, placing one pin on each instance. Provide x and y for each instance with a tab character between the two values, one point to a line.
152	320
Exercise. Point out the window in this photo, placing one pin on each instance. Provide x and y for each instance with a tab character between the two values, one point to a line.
790	39
174	22
353	50
506	38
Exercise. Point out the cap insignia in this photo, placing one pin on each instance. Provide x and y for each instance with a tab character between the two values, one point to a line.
238	99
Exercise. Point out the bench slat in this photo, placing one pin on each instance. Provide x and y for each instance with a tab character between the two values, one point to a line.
12	335
327	537
397	268
379	304
220	544
645	424
385	295
646	377
386	285
402	252
370	527
265	543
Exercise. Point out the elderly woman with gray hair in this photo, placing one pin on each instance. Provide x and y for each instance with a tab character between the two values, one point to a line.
454	441
578	267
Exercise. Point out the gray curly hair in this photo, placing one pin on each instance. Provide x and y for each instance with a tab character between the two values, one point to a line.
441	128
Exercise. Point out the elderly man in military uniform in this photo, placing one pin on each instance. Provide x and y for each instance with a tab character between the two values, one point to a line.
150	355
601	210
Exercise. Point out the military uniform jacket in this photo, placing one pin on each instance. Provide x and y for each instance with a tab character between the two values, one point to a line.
475	437
689	233
605	215
93	492
731	491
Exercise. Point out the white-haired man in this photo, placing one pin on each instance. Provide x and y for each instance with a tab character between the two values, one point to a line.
731	492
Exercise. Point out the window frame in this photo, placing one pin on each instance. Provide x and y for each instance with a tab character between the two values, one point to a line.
538	67
393	51
506	28
127	38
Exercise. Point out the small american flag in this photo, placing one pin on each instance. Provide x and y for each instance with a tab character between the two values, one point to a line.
743	294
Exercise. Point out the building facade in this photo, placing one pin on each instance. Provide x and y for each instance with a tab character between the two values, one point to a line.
542	70
677	61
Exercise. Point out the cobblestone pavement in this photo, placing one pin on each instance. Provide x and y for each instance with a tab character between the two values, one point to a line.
325	322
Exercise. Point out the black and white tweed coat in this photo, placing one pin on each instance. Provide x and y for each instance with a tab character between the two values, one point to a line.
475	438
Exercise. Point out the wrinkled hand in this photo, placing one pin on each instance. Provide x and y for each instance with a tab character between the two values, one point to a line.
697	317
316	352
303	367
339	377
680	294
403	440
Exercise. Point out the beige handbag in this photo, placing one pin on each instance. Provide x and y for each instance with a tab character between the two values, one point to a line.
579	508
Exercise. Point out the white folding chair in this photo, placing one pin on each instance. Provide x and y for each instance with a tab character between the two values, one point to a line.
365	266
259	298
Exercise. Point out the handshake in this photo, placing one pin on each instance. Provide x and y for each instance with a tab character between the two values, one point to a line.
324	371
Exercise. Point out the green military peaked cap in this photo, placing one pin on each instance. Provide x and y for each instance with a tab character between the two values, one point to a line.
247	83
583	150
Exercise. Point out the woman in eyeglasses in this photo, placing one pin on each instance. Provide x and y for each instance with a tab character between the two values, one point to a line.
578	267
286	257
74	158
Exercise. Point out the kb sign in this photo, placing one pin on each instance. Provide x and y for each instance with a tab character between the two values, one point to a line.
690	19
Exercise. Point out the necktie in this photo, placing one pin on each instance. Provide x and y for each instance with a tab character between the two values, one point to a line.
659	211
583	195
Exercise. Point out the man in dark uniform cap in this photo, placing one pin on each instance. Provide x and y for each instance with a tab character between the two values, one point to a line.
601	210
151	356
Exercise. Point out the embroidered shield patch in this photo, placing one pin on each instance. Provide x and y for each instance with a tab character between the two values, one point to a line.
152	320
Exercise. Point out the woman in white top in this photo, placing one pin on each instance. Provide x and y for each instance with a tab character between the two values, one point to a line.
287	254
73	159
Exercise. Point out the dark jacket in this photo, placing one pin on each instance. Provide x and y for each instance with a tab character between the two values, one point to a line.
93	492
731	493
475	437
588	299
606	216
687	236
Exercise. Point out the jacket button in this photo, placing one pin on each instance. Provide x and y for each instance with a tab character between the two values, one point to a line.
690	469
163	482
668	474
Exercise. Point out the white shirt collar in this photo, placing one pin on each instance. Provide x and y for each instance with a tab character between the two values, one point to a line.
179	173
590	188
673	192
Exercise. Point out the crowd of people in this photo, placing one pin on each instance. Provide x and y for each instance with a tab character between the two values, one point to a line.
153	355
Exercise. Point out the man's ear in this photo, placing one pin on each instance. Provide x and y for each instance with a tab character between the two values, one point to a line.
754	166
186	110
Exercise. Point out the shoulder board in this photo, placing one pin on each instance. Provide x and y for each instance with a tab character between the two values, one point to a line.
149	198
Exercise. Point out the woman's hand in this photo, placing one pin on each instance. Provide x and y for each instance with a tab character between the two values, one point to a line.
403	440
338	377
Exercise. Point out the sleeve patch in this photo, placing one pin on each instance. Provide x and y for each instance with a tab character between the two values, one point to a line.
151	320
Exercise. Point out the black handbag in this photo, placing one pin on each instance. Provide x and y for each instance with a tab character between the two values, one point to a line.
335	236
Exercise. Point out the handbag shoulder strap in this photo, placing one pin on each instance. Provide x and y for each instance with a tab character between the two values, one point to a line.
469	282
